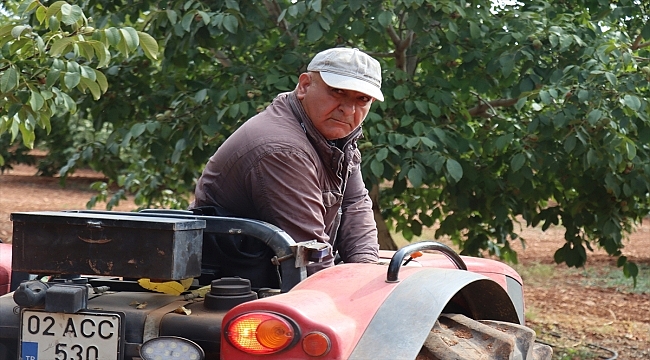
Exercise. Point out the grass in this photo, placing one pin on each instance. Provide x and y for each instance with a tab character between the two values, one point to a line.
613	277
605	276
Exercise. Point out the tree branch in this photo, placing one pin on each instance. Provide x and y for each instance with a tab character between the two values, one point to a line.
482	108
637	41
393	35
221	57
274	10
645	44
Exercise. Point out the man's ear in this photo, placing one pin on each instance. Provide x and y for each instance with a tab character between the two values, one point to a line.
303	83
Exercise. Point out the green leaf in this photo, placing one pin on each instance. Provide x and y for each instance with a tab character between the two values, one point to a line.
545	97
232	4
52	77
474	30
434	109
88	72
645	32
503	141
507	64
385	18
440	134
200	95
594	116
583	95
592	157
40	14
59	45
415	176
93	87
149	45
382	154
317	5
172	16
112	36
71	79
86	50
28	135
17	31
205	17
570	143
101	52
520	103
230	23
314	32
9	80
611	78
131	38
36	101
377	168
632	102
186	22
422	106
71	14
630	149
630	269
517	162
138	129
54	8
400	92
454	169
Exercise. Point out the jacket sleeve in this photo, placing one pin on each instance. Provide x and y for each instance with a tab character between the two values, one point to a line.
357	236
285	191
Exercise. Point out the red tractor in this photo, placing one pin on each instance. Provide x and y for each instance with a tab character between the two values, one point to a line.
99	287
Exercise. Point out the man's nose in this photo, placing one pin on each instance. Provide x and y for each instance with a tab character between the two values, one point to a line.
348	107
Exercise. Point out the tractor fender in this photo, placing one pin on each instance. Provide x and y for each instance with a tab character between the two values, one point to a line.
402	323
5	268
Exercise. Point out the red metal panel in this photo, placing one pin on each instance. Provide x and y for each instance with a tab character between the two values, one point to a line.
5	268
338	301
493	269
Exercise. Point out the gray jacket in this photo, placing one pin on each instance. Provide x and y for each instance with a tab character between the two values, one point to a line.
278	168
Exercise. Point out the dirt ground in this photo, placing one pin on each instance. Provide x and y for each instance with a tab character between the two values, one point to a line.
563	310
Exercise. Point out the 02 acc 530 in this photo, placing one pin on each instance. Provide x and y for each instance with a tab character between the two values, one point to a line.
81	336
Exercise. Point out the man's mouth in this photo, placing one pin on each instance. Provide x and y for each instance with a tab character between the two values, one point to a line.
340	121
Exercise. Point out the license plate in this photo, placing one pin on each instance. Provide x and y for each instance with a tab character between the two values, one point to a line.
87	335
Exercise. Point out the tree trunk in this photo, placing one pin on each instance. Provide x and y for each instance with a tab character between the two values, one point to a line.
386	241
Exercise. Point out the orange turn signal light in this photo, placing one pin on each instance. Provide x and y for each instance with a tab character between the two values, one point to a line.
316	344
260	333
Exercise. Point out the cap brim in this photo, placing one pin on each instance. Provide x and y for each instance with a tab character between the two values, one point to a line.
350	83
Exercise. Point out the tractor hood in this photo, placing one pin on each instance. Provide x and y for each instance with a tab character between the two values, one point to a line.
363	314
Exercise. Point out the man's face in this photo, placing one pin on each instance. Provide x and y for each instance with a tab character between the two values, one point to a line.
334	112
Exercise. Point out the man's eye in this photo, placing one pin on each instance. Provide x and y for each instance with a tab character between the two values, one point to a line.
365	99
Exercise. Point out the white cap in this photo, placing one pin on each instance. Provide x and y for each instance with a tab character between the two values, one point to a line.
349	69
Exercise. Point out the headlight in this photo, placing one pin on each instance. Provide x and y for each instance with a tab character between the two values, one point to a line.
260	333
171	347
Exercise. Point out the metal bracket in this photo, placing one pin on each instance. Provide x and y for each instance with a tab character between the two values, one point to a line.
310	251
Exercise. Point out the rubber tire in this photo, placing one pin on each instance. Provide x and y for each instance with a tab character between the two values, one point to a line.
457	337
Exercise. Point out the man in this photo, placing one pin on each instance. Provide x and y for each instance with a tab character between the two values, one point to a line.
296	164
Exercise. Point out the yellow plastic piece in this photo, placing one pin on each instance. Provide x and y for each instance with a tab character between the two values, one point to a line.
167	287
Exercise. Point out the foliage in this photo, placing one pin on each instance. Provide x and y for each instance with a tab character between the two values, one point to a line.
55	55
495	116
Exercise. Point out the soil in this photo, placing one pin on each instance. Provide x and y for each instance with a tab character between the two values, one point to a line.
580	316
